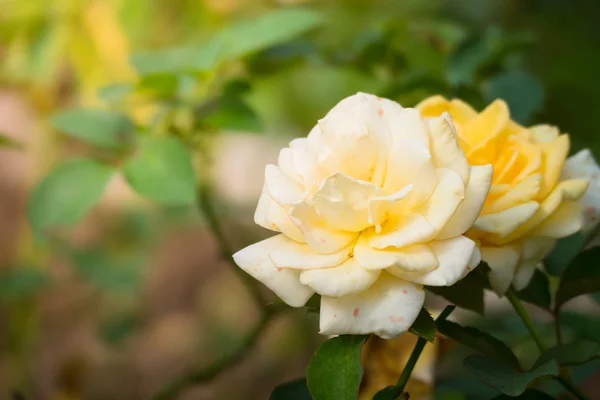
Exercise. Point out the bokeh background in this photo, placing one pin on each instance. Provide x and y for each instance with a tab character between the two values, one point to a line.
135	294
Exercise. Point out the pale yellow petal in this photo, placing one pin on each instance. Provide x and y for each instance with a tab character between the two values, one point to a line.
407	230
554	156
291	254
565	221
388	207
274	217
340	281
506	222
522	192
445	150
417	257
445	199
503	263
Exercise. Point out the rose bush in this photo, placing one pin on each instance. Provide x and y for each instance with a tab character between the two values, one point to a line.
528	206
371	206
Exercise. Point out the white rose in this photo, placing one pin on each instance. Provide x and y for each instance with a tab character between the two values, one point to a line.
371	206
583	166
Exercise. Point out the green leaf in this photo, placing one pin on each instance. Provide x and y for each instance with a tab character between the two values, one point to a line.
582	276
507	380
115	92
8	142
292	390
538	291
529	394
108	271
424	326
523	93
162	85
582	326
388	393
563	253
234	114
467	293
162	170
20	283
472	55
64	196
236	40
98	127
568	355
479	341
335	370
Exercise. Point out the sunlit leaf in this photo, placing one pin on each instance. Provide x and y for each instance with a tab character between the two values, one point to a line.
508	380
98	127
70	190
161	170
335	370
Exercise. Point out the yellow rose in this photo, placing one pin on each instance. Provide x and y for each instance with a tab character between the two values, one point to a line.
371	206
528	206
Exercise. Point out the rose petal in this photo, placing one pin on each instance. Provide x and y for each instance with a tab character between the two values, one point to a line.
344	202
387	309
383	208
554	156
291	254
524	274
565	221
583	165
274	217
522	192
410	163
283	189
434	106
339	281
409	125
407	230
506	222
444	146
318	236
454	256
445	199
418	257
255	260
480	180
502	262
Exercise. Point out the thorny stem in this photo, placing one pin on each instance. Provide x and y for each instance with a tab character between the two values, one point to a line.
564	379
416	353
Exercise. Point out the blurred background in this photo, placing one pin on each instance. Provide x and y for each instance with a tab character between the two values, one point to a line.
136	294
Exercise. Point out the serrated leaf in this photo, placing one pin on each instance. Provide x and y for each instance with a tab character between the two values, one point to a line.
467	293
480	341
292	390
20	283
582	276
565	250
64	196
98	127
507	380
570	354
529	394
234	114
161	170
523	92
538	291
424	326
335	370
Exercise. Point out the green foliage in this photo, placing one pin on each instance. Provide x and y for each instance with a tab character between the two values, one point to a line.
109	271
508	380
115	92
582	276
21	283
479	341
563	253
292	390
236	40
467	293
568	355
424	326
522	91
335	370
538	291
231	113
388	393
64	196
162	170
7	142
97	127
529	394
